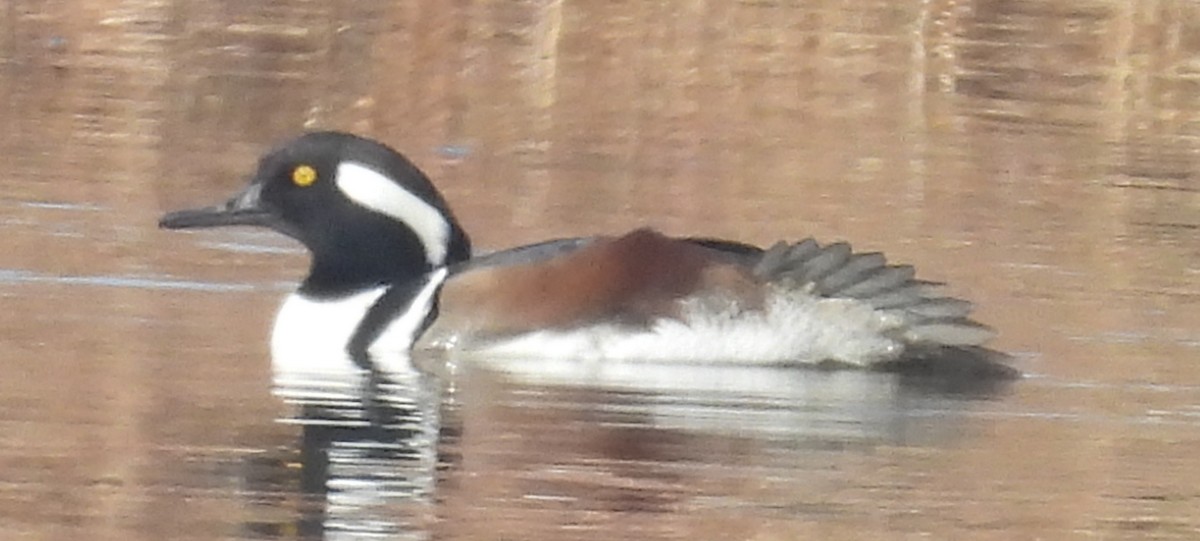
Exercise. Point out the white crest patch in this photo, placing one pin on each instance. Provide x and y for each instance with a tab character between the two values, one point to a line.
377	192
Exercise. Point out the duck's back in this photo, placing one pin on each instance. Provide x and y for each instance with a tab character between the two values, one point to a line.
645	296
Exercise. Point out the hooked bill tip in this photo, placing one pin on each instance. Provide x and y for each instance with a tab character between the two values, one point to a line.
180	219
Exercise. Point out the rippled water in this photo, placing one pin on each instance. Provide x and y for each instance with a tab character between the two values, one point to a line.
1038	156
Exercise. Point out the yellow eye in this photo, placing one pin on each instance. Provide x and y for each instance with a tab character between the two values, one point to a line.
304	175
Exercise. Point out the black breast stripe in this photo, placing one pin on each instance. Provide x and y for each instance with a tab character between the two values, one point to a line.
394	303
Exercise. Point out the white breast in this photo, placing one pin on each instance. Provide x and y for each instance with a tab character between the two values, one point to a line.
311	336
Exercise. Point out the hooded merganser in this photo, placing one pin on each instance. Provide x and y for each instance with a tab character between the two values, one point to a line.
392	272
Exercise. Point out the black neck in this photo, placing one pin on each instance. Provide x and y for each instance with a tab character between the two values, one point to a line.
335	277
359	262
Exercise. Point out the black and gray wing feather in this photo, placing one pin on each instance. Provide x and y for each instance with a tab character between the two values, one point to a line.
931	324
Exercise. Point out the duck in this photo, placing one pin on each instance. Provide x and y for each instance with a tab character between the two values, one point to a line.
392	275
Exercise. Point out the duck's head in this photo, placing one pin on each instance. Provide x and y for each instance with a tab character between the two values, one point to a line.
365	212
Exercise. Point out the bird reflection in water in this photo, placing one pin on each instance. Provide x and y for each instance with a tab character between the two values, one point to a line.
367	455
372	461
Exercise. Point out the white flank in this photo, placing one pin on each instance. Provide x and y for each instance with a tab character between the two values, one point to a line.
795	328
377	192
